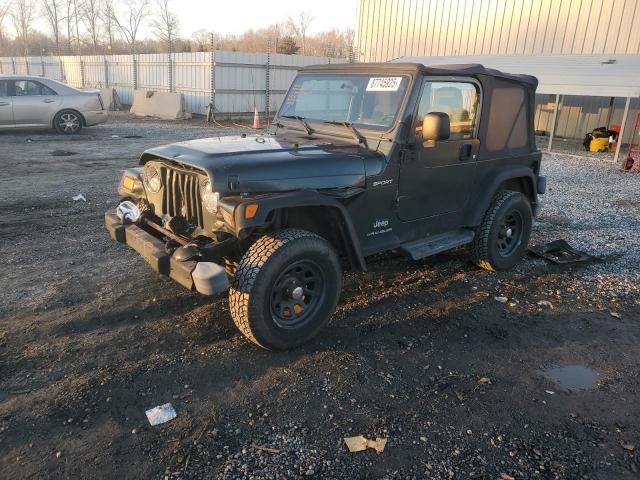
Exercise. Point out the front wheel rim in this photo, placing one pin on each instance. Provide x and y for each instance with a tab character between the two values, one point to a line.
510	234
297	294
69	123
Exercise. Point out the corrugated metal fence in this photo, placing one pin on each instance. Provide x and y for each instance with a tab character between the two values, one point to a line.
233	82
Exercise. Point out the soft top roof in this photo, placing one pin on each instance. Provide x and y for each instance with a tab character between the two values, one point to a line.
470	69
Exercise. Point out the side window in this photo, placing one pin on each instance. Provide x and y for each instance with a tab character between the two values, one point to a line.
3	88
30	88
508	126
459	100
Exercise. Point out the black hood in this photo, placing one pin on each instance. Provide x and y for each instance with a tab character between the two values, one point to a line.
257	164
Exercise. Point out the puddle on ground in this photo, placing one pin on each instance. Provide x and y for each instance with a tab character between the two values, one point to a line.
573	377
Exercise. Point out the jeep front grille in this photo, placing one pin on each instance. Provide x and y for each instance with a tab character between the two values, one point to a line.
182	195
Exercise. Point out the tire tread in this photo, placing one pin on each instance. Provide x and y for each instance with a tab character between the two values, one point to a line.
247	272
479	248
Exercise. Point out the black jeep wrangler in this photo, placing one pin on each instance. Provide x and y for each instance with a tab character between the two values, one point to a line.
360	159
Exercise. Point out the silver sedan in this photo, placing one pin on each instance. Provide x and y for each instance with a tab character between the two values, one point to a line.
36	102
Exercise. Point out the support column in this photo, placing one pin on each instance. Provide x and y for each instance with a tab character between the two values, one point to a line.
63	77
82	73
267	91
554	121
610	112
170	65
625	117
106	71
212	80
135	71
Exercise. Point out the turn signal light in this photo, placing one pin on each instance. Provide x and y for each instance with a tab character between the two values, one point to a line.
128	183
251	210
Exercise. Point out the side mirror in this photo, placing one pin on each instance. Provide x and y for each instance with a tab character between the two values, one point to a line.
436	126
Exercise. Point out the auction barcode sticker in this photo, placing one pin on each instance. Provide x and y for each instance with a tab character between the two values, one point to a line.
384	84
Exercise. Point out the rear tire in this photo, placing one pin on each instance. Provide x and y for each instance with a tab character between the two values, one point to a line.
501	239
286	287
67	122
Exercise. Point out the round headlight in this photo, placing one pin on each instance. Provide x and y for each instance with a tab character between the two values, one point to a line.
152	178
209	198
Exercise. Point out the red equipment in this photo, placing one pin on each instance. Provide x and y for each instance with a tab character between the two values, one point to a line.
633	154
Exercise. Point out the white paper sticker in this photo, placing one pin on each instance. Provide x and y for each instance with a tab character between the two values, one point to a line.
384	84
161	414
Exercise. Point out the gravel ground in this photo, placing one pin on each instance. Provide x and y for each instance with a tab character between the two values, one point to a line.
420	353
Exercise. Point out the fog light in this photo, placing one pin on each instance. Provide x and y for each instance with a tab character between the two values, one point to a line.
128	212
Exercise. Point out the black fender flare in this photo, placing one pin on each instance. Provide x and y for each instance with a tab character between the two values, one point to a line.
303	198
475	215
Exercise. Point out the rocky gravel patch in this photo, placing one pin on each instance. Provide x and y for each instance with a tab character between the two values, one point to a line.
421	353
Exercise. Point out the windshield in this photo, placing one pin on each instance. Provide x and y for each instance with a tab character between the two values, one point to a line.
370	101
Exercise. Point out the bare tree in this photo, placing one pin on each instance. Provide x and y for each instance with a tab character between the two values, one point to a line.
5	7
201	40
107	14
52	11
90	15
299	27
128	22
69	14
76	19
22	16
165	24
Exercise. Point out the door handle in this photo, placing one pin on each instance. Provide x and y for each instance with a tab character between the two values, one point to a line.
465	152
48	100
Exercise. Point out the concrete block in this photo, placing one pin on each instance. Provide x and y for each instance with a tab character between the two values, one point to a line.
110	99
163	105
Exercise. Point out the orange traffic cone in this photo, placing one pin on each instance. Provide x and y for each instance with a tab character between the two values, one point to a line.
256	119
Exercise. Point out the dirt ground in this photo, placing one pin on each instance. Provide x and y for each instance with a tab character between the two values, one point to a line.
420	353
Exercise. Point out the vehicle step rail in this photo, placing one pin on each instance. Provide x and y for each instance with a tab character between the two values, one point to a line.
425	247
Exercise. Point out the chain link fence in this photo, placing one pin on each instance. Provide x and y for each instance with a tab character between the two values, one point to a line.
224	82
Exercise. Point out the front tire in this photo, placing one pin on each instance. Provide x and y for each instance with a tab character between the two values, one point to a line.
286	287
67	122
501	239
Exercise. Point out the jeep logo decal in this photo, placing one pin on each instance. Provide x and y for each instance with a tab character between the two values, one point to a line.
381	223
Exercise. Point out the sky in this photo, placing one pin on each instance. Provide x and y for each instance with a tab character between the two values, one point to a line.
237	16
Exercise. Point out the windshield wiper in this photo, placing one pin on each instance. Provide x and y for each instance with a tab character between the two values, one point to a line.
303	122
356	133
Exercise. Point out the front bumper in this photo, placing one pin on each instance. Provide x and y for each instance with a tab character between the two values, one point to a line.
205	277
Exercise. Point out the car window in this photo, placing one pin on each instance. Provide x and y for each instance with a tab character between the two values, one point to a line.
3	88
508	127
459	100
365	100
29	88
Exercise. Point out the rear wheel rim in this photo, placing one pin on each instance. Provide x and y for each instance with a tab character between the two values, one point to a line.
510	233
69	122
297	294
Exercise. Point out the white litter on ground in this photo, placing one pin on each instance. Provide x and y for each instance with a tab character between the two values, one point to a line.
161	414
79	197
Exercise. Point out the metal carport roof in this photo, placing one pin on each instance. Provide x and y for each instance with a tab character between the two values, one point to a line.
607	75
